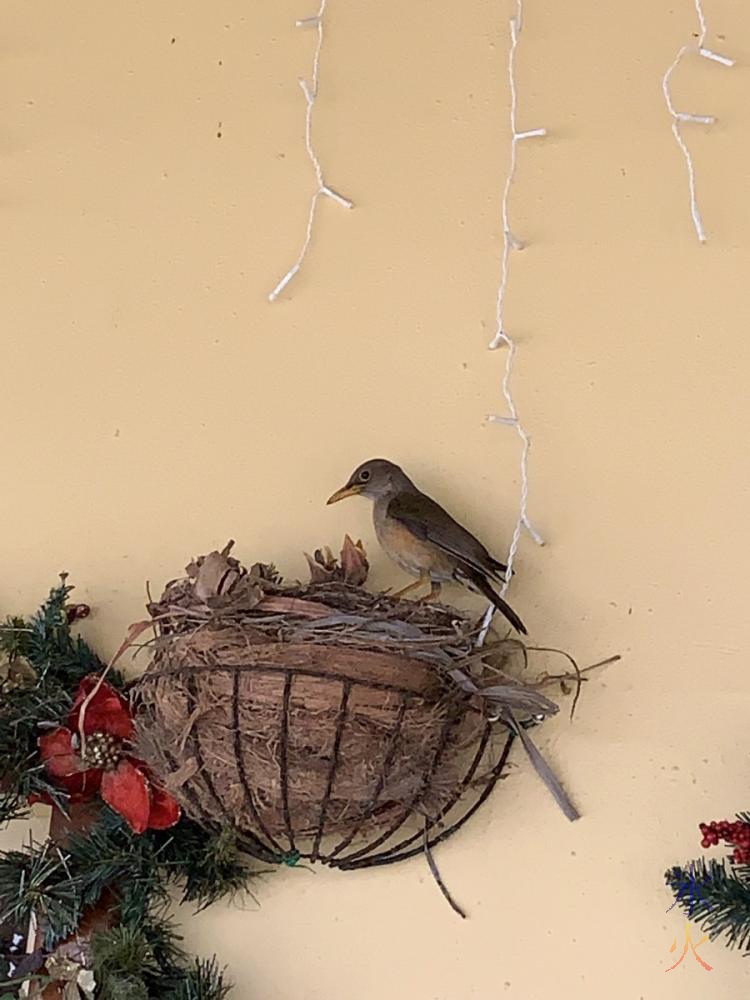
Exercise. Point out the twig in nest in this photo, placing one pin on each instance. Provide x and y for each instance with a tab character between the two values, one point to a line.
133	632
436	875
576	670
577	674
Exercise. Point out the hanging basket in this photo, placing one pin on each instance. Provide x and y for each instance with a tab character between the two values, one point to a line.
323	721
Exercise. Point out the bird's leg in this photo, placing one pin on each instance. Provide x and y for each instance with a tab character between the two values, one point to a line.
412	586
434	593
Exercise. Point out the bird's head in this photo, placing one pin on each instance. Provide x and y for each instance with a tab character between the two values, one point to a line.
373	479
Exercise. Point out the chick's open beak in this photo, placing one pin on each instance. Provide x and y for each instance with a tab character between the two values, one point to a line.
343	493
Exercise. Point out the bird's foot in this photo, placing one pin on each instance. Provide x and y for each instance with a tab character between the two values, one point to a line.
422	581
433	595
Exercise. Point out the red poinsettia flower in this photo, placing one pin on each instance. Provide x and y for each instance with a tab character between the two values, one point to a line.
102	764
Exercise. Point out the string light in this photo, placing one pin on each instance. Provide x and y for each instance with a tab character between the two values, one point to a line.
310	92
502	338
681	116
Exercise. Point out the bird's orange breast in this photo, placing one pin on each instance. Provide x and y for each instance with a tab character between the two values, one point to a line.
414	556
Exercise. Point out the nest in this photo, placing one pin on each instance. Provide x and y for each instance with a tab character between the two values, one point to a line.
321	720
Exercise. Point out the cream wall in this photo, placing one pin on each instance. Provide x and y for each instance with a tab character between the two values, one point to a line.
155	404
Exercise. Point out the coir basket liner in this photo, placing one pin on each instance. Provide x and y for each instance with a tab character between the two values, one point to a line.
322	721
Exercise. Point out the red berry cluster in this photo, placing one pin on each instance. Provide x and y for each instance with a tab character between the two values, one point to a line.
75	612
737	834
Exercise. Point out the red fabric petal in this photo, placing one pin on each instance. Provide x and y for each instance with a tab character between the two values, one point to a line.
56	748
165	810
39	797
126	790
79	787
107	712
83	786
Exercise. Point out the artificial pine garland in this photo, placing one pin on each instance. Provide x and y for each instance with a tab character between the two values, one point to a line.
100	898
45	662
717	893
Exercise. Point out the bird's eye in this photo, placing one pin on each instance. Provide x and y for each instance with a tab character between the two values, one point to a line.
364	475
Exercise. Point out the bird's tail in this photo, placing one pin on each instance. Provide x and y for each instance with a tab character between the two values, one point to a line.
498	570
481	584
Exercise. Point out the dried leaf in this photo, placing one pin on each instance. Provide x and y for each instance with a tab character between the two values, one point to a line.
67	965
187	770
545	772
246	594
216	574
520	698
220	581
294	606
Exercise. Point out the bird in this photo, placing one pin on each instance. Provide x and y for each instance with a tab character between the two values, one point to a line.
422	538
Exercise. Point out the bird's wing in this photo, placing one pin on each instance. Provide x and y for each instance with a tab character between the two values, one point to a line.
479	582
428	521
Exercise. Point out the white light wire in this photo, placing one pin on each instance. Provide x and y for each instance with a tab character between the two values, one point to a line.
502	338
310	92
682	116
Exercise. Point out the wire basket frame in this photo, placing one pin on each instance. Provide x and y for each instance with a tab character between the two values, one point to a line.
481	767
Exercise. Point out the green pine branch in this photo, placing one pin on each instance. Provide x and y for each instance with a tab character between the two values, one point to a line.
58	660
34	880
109	856
134	960
206	860
12	806
52	649
129	966
22	710
202	981
722	907
14	637
141	957
137	868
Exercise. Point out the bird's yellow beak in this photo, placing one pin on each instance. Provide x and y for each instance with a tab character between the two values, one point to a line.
343	493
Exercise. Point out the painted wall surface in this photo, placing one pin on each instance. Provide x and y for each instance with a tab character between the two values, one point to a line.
154	187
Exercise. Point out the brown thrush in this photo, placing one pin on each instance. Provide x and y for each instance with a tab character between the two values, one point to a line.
422	538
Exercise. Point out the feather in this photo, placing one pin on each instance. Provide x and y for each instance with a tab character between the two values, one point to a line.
482	585
427	521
